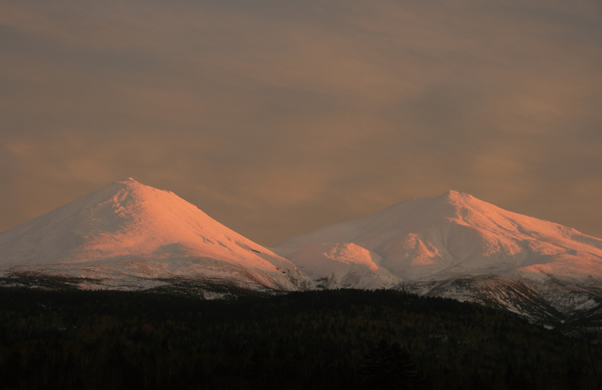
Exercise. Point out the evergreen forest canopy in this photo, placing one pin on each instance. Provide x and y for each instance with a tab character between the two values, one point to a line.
336	339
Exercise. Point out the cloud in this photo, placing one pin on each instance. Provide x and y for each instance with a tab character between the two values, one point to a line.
280	117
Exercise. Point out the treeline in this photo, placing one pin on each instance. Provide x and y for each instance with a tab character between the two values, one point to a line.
309	340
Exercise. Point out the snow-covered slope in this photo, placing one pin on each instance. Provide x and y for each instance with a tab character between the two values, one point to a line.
129	234
344	266
457	234
431	242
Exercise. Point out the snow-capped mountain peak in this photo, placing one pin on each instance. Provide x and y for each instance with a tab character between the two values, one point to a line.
457	246
456	233
126	226
131	236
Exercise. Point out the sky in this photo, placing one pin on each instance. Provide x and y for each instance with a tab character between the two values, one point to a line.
280	117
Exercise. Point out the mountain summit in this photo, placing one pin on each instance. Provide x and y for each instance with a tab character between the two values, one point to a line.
131	236
458	234
458	246
132	231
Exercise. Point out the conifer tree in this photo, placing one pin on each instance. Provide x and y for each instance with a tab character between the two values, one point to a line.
389	366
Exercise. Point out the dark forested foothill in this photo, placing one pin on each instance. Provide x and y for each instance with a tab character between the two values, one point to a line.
343	339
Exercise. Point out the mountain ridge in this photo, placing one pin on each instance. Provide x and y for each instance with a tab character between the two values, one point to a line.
131	229
457	246
453	229
133	237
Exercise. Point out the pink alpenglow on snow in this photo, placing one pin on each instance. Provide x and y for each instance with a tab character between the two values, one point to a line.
127	229
344	265
131	236
452	235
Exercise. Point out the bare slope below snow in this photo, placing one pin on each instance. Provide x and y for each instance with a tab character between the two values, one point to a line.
127	230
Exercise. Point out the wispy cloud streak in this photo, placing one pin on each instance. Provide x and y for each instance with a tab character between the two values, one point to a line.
279	117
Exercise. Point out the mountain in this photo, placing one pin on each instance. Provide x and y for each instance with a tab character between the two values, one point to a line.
131	236
457	246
